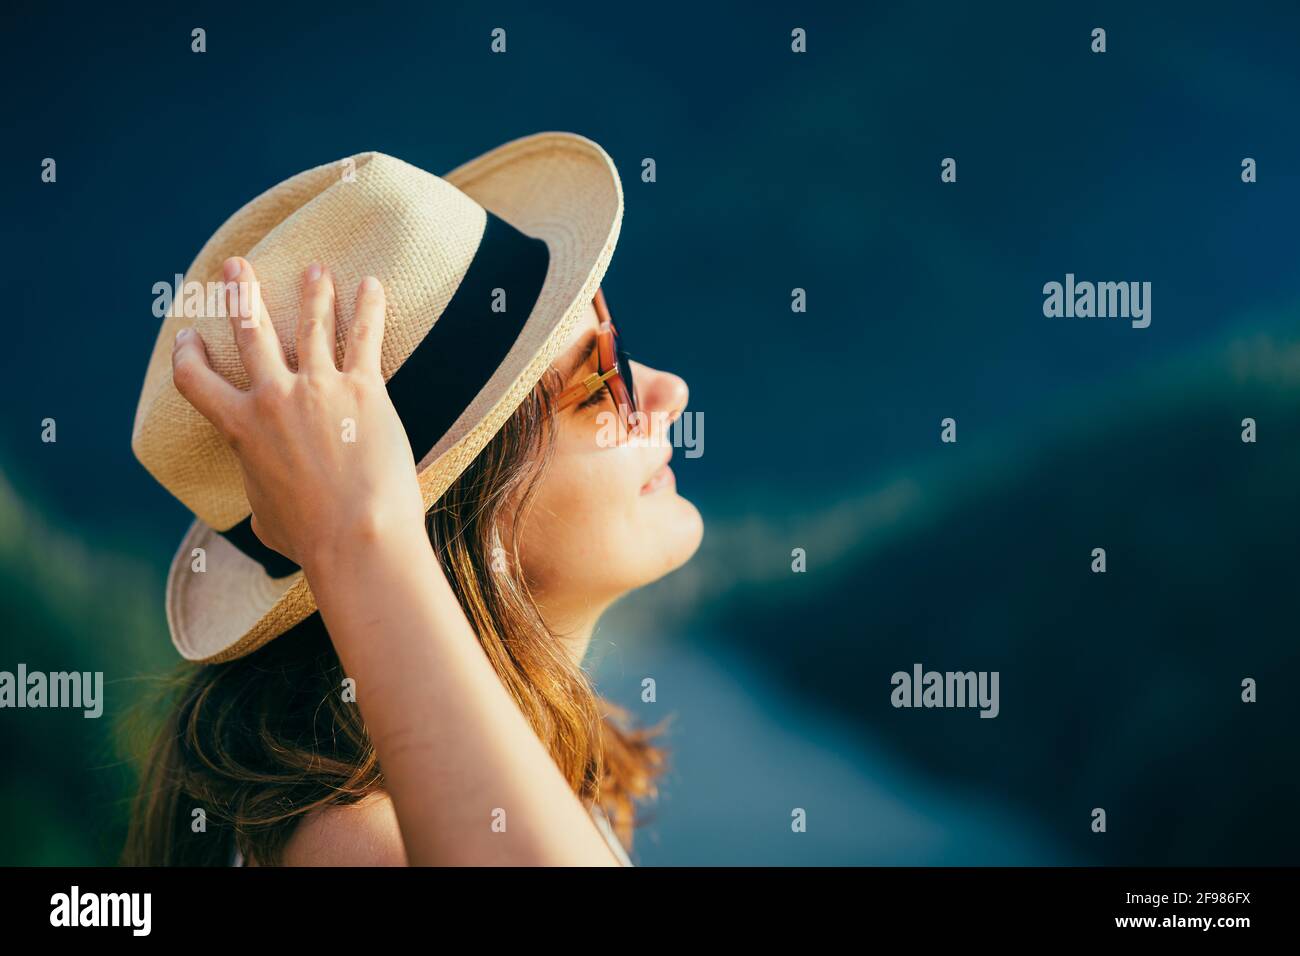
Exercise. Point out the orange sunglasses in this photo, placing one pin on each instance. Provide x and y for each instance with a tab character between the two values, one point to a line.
615	370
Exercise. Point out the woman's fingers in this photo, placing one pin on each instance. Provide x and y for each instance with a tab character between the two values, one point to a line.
194	377
367	332
316	321
259	346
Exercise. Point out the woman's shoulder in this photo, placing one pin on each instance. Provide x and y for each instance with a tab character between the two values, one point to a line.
364	833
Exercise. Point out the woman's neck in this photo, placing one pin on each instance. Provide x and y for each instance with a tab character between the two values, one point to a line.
574	627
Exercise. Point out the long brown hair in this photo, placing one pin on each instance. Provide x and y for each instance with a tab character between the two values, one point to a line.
250	747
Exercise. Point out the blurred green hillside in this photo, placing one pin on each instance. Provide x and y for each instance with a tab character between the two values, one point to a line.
66	606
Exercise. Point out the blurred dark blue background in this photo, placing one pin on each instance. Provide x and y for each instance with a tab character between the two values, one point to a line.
775	171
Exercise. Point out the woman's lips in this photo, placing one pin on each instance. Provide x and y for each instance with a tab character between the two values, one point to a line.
664	476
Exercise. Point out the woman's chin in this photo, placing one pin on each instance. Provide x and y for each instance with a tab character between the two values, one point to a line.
681	529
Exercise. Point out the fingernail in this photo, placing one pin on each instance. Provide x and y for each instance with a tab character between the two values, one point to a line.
231	269
181	333
313	272
369	284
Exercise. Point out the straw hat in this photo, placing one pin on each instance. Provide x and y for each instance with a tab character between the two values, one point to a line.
529	226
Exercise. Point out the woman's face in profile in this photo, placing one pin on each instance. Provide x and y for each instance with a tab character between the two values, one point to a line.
606	517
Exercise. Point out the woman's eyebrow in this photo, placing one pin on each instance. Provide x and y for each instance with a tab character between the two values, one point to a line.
583	355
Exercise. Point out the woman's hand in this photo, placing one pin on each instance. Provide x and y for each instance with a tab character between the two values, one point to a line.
325	459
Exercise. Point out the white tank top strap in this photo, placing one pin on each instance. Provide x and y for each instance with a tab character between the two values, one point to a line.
607	830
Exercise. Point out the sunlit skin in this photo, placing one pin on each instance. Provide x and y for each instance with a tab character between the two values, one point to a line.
607	517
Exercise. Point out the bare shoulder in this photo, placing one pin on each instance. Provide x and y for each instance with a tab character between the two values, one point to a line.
360	834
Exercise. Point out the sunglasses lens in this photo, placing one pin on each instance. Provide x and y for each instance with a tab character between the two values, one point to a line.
622	362
625	372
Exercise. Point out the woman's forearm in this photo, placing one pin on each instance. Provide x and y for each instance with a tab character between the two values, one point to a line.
456	751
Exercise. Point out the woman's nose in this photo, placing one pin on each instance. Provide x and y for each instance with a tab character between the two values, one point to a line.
660	392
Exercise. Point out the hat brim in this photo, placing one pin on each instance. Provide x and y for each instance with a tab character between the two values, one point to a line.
558	187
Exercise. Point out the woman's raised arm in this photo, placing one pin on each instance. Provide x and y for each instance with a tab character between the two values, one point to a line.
331	479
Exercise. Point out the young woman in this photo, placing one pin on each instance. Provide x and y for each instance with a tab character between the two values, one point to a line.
476	737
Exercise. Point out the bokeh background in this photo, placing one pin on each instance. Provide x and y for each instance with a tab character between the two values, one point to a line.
775	171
